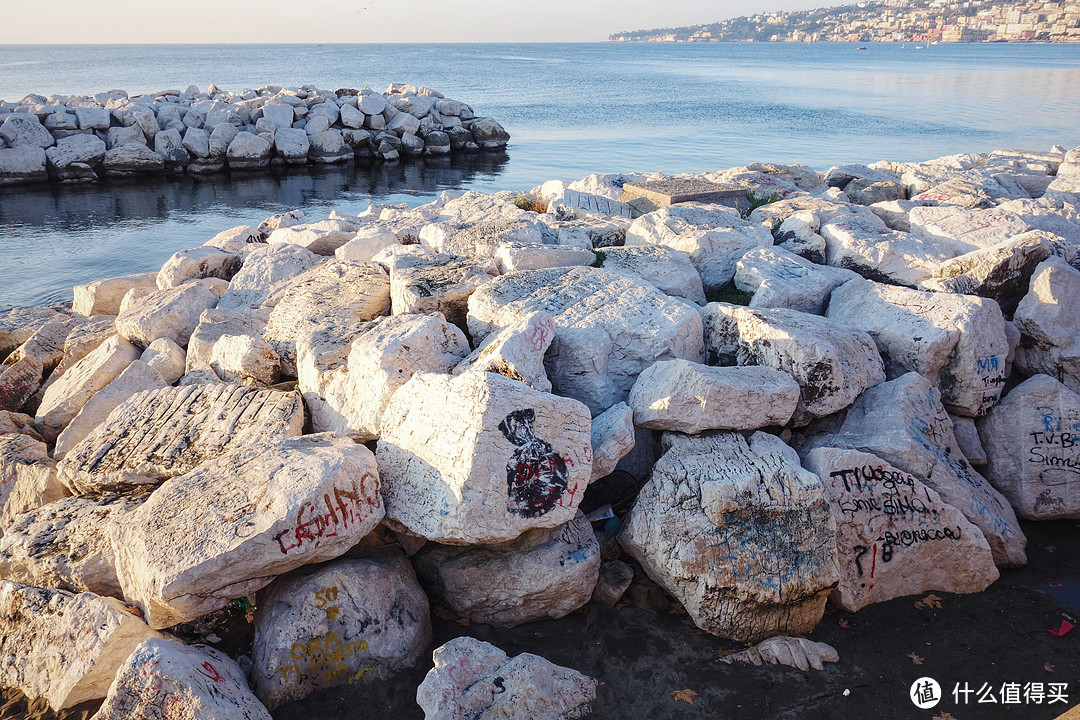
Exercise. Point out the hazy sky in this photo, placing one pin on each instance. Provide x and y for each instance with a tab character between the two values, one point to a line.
305	21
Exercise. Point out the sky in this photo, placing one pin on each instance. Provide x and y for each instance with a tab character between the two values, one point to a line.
358	21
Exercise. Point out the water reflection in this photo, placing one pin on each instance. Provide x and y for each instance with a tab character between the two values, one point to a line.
55	237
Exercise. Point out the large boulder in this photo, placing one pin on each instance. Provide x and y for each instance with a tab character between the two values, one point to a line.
738	532
103	297
163	679
608	327
544	574
516	351
669	270
347	385
197	263
171	313
258	284
1049	331
22	164
688	397
956	341
132	159
19	129
895	536
479	458
322	238
260	510
613	438
1032	444
348	621
831	362
27	473
474	679
904	423
247	151
76	157
159	434
438	283
713	235
61	646
781	279
867	246
65	544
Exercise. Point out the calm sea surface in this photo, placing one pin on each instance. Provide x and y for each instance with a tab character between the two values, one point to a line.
572	109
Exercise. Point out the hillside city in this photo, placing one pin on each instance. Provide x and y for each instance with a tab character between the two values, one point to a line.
889	21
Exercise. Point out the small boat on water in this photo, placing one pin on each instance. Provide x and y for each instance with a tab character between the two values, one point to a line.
860	48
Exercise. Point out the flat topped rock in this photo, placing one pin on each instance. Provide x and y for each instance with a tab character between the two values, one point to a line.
163	433
653	194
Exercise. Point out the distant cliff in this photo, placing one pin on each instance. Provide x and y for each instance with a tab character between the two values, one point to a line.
889	21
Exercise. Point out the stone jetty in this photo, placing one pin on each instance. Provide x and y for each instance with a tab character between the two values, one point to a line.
814	388
82	138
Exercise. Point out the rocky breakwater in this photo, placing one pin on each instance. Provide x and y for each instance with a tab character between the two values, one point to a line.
81	138
814	387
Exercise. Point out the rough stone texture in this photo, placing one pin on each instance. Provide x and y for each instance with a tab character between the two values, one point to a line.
895	536
348	621
61	646
200	262
214	324
65	545
956	341
321	238
608	327
242	358
46	345
793	652
612	439
867	246
25	467
24	164
781	279
1001	272
132	159
468	673
519	256
516	351
172	313
102	297
248	150
347	383
19	324
442	286
479	458
64	398
1032	450
264	273
688	397
904	423
966	229
167	358
670	271
713	236
544	574
136	377
615	579
160	434
738	532
166	680
831	362
227	528
967	437
1049	328
18	383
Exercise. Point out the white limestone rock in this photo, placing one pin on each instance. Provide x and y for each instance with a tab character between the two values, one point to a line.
608	327
895	536
545	573
958	342
27	476
1032	449
793	652
349	621
172	313
196	263
778	278
713	235
479	458
738	532
439	283
163	679
612	439
22	164
135	378
19	129
516	351
132	159
65	544
159	434
75	157
240	239
468	675
519	256
64	647
64	398
292	145
1065	188
1049	329
831	362
967	438
18	383
214	324
670	271
347	382
904	423
102	297
166	357
689	397
247	151
867	246
321	238
965	228
480	239
257	511
19	324
366	244
243	358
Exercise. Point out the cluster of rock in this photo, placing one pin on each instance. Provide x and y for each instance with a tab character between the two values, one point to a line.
339	422
81	138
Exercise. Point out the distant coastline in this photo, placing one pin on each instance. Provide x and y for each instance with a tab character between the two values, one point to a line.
890	21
